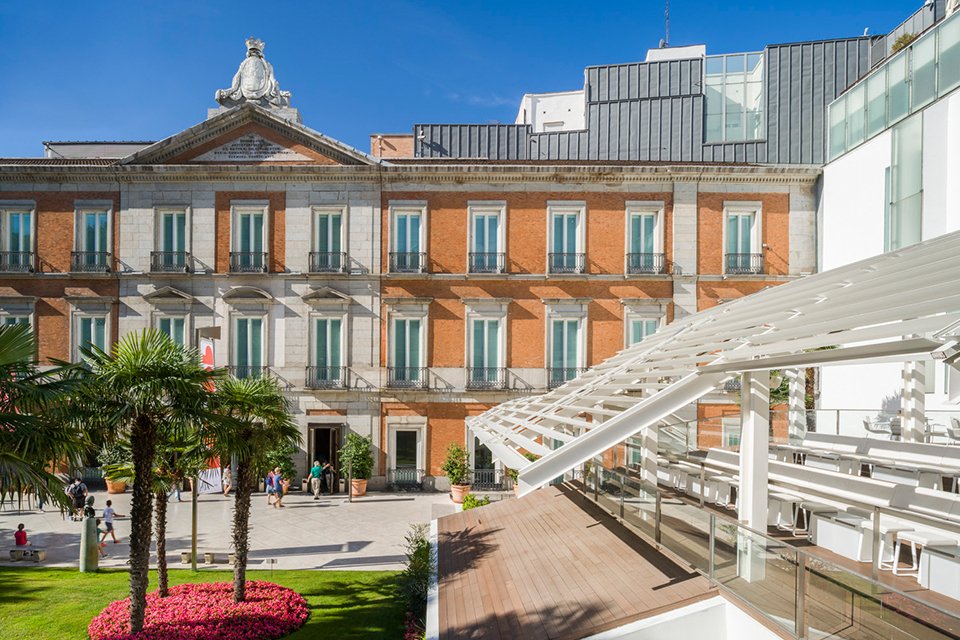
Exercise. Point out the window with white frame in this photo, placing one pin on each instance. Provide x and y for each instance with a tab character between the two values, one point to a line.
407	244
406	451
487	228
743	249
644	239
16	239
249	238
406	350
248	346
14	320
566	241
93	239
327	353
91	330
730	431
486	344
566	349
328	254
640	328
171	239
173	326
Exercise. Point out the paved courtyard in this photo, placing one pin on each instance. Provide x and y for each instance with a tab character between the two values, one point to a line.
330	533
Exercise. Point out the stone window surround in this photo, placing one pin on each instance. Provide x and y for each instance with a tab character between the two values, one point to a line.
332	312
18	206
343	210
89	307
486	309
408	309
756	236
407	423
264	315
578	207
159	210
643	309
87	206
408	206
19	307
566	309
475	207
235	207
173	312
655	207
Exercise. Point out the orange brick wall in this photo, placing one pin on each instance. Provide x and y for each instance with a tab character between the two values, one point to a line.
526	232
712	293
710	431
775	223
275	233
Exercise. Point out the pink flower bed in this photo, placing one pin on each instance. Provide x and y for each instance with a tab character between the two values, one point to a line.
207	612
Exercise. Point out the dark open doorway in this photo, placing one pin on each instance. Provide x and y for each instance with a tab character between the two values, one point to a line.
325	444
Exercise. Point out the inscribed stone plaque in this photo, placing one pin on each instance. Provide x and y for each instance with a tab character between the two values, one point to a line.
251	148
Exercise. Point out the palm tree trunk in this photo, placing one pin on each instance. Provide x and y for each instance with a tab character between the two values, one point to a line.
143	445
161	524
241	531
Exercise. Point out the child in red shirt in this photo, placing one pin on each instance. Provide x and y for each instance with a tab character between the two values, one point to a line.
20	536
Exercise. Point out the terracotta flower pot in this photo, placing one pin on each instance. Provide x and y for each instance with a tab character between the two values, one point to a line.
358	487
115	486
458	491
516	490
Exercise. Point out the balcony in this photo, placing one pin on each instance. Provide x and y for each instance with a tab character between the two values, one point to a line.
405	478
248	262
326	377
646	262
486	378
490	480
246	371
557	376
402	262
486	262
16	261
326	262
743	263
90	261
170	262
566	262
407	377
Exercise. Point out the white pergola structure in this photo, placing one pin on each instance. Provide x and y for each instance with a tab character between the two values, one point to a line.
900	306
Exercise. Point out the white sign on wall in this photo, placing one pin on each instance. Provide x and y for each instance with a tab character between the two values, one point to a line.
251	148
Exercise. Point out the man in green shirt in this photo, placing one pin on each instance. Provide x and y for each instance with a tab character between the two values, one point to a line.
315	480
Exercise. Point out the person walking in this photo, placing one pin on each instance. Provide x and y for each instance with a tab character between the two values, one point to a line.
278	488
271	490
103	537
174	491
78	494
315	472
329	473
108	515
227	481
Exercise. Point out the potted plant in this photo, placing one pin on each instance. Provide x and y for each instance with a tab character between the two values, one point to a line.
514	474
457	468
356	456
111	455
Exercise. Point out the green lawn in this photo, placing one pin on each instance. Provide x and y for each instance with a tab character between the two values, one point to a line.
38	603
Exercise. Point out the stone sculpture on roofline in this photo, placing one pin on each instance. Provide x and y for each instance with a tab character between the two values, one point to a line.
255	83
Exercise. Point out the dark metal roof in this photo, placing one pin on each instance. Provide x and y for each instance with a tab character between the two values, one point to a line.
99	162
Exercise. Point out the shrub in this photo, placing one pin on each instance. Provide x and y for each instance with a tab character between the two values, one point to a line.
902	42
356	456
113	454
471	501
281	456
457	464
414	580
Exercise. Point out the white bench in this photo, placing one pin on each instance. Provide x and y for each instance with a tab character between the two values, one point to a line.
28	553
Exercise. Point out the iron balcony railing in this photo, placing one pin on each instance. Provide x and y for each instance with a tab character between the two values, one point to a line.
744	263
170	262
646	263
407	377
405	478
16	261
327	262
556	376
490	480
90	261
326	377
566	262
486	378
486	262
248	262
406	262
246	371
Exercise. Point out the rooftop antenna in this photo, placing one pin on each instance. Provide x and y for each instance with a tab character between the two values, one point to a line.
666	15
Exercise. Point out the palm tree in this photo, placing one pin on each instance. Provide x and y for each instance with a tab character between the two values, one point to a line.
33	437
147	384
257	420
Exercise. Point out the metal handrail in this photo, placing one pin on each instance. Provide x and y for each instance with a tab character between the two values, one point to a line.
743	263
90	261
408	262
170	261
328	262
485	262
249	262
566	262
16	261
646	262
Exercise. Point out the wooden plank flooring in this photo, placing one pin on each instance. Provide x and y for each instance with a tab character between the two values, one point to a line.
553	566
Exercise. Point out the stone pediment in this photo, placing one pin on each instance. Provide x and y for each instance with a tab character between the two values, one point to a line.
326	296
168	295
247	295
249	135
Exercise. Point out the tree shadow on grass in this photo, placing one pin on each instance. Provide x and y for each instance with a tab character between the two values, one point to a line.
358	609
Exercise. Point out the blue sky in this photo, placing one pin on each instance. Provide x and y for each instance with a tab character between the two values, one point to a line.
143	71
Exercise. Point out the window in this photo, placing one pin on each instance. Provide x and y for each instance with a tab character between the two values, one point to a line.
14	320
644	244
905	211
742	240
924	72
486	242
249	240
898	100
93	240
171	252
248	347
949	54
876	104
733	89
566	239
406	352
175	327
484	357
856	116
407	255
328	255
640	328
91	332
730	431
565	350
16	240
405	452
327	352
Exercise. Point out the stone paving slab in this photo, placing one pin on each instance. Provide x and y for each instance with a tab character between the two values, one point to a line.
330	533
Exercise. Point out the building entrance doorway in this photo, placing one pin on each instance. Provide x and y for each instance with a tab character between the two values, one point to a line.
325	444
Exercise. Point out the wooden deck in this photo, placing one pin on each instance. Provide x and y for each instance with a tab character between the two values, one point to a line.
553	566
